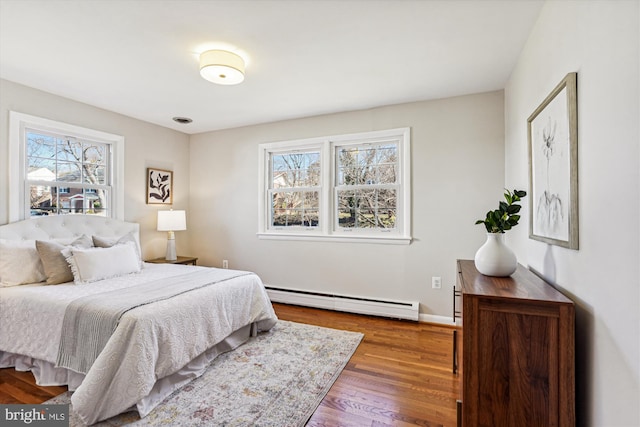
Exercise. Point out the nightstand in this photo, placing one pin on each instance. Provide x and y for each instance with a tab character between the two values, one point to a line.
181	260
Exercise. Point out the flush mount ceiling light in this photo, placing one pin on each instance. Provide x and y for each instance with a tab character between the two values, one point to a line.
221	67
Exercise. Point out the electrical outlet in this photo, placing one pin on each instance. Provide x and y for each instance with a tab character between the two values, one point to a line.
225	263
436	282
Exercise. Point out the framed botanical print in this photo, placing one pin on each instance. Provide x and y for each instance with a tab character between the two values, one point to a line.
159	187
553	167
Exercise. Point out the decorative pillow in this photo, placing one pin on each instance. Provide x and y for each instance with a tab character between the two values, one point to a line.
89	265
107	242
20	263
55	265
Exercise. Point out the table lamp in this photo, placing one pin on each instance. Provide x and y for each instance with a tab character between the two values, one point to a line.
171	221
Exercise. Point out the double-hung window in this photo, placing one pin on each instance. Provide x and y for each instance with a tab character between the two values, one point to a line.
294	192
366	191
352	187
60	169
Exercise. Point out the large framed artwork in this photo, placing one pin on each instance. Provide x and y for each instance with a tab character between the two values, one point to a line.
159	187
553	167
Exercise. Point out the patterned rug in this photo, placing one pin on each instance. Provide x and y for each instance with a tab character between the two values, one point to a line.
275	379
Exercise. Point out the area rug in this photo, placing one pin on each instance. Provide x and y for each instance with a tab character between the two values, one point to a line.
275	379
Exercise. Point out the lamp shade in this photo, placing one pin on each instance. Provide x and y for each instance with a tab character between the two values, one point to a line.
221	67
172	220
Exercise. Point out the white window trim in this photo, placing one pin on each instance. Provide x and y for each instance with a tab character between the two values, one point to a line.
19	122
327	231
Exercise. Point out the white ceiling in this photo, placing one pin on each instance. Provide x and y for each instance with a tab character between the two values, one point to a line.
304	57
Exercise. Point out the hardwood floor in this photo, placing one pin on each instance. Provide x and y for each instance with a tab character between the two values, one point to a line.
20	387
400	375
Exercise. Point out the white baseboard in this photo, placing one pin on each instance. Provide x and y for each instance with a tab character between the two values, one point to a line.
358	305
441	320
351	304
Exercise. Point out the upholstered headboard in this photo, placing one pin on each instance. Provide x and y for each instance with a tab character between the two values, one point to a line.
67	226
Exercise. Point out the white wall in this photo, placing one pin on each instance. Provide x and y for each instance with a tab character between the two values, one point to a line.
458	174
146	145
600	41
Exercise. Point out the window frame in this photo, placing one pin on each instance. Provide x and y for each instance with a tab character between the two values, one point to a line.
18	125
328	229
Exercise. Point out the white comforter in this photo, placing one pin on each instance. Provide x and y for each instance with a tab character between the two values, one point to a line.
150	343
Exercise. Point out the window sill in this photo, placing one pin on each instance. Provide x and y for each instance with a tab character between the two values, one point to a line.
387	240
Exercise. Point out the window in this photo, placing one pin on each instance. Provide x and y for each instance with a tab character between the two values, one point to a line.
346	187
66	174
60	169
295	189
367	186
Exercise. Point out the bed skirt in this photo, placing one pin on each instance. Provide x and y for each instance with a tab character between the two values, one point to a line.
47	374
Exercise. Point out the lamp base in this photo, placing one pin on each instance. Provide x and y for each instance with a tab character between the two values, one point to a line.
171	247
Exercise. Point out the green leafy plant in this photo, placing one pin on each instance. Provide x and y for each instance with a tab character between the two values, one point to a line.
506	216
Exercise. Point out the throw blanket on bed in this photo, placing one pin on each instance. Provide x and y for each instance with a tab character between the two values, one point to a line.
90	321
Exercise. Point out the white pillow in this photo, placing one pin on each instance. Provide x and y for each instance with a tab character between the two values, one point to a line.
107	242
20	263
89	265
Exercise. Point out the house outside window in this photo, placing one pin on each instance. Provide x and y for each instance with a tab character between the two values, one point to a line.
352	187
62	169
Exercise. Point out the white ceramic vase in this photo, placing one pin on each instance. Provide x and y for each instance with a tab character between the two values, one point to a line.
495	258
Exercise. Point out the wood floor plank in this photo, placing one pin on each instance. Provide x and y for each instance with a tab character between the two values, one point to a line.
399	376
20	387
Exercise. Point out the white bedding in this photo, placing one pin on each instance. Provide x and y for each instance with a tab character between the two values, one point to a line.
150	343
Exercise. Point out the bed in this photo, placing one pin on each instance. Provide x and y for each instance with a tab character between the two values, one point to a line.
175	319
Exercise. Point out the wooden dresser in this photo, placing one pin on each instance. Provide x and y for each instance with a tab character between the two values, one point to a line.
517	351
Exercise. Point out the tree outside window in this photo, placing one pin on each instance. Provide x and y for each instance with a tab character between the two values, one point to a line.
367	187
350	187
66	175
295	181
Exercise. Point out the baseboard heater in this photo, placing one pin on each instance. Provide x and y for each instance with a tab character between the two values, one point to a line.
361	305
